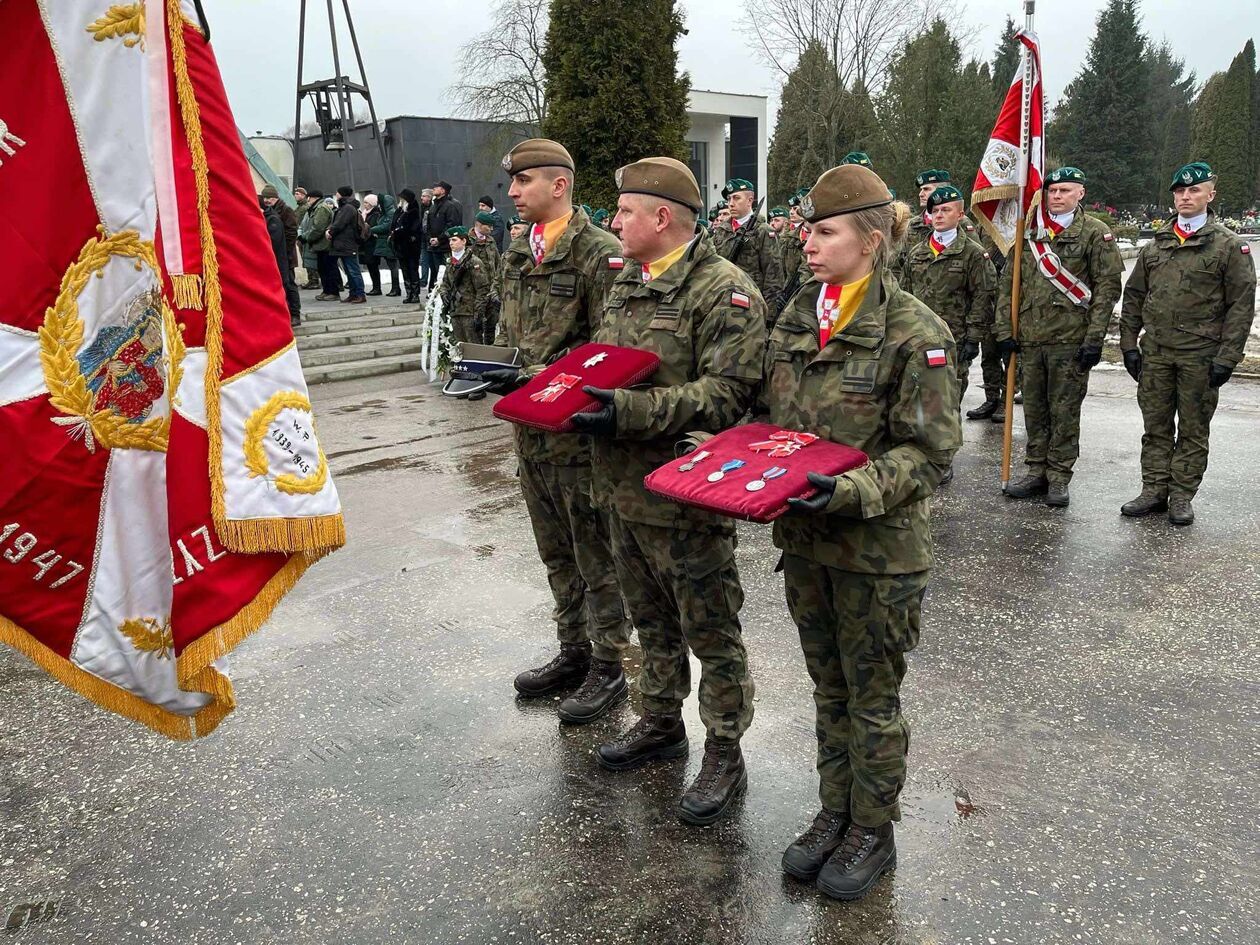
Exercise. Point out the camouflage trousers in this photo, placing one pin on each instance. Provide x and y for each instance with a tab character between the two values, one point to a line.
855	632
1177	408
574	544
991	368
684	594
1053	393
462	329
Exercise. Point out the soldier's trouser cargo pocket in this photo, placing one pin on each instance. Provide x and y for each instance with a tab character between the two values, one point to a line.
1177	407
1053	393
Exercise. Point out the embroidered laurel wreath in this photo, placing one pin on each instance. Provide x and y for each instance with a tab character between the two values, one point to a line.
61	337
149	636
258	431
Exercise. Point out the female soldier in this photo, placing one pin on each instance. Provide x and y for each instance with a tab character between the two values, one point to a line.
858	361
465	288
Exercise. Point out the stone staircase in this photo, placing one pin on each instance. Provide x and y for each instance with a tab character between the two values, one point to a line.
337	342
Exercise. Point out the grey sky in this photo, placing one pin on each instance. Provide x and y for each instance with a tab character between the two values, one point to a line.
411	46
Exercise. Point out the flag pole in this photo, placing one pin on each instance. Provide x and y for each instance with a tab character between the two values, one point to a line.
1025	145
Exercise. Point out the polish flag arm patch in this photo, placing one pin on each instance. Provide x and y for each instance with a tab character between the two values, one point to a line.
935	357
1108	237
740	300
1246	249
616	262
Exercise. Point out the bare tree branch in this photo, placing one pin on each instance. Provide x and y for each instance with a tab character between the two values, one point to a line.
501	75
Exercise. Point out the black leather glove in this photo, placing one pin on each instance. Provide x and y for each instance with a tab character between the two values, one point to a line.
1133	364
826	486
1087	356
602	422
1006	347
1218	374
504	380
969	350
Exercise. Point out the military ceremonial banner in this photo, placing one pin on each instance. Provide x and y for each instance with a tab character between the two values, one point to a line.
163	485
1008	169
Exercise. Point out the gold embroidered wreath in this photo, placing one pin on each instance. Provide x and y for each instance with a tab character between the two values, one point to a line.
255	438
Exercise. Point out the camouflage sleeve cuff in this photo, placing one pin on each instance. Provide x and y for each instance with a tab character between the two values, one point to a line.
857	494
1226	358
633	408
691	442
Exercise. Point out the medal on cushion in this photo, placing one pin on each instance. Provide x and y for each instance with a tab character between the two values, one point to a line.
774	472
694	458
783	444
730	466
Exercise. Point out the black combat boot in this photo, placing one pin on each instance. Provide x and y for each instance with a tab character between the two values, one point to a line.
567	669
808	852
1146	503
985	410
999	416
653	738
1026	487
722	778
394	290
948	477
604	687
1057	495
1180	511
866	854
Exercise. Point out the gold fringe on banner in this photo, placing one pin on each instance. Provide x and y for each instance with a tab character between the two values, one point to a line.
260	535
188	292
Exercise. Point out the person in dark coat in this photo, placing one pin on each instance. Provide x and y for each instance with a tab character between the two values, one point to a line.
378	214
345	233
282	249
406	236
445	213
498	229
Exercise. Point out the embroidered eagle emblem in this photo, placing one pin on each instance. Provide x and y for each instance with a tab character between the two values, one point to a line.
507	163
807	206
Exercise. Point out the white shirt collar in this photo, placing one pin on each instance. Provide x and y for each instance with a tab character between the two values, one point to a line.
458	256
1063	219
743	221
1190	224
945	237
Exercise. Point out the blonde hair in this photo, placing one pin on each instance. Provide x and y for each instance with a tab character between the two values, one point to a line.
891	221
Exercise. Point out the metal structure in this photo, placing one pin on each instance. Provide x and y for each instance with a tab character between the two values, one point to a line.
334	110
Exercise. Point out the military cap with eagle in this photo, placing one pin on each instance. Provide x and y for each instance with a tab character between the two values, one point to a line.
736	184
1066	175
661	177
931	177
946	193
861	158
536	152
1196	172
845	189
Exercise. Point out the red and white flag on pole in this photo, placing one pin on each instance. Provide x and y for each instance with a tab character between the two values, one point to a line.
163	485
1010	175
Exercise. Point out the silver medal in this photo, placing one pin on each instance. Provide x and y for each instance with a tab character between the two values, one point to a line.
715	476
756	485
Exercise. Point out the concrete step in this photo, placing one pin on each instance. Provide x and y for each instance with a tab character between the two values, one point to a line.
358	323
332	311
360	352
357	336
369	367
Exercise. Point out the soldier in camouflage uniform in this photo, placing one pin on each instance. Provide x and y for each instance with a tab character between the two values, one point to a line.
465	288
920	224
703	316
872	367
555	277
746	240
1062	323
516	229
954	277
1192	296
485	249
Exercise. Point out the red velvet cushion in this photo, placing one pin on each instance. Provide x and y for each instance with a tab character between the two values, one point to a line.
551	406
729	496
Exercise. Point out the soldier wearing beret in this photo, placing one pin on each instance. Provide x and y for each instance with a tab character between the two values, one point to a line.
516	228
778	218
953	276
485	248
860	158
1191	298
702	315
857	360
555	276
1070	282
791	254
465	289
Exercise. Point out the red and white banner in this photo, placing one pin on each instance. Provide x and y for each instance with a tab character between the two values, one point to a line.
162	485
1010	175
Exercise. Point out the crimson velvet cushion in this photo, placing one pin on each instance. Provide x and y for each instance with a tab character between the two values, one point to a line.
774	466
552	397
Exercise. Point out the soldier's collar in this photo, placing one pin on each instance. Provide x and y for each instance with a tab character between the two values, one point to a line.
869	324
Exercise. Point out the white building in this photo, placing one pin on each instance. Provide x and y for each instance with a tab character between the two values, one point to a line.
728	137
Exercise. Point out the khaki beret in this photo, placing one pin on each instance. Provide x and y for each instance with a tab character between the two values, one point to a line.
660	177
844	189
536	152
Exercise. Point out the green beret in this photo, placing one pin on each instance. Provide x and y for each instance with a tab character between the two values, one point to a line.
844	189
720	205
931	177
857	157
586	208
536	152
485	217
778	212
736	184
460	231
703	224
1196	172
516	221
1066	175
946	193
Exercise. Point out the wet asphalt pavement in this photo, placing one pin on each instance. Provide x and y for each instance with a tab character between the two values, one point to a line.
1082	767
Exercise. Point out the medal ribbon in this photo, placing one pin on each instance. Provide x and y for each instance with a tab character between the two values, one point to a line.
784	443
537	243
937	246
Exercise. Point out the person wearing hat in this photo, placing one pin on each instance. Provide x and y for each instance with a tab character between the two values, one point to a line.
483	246
444	212
778	218
953	276
305	257
1184	322
465	289
1070	271
723	214
860	158
857	360
283	250
701	314
516	228
600	218
747	241
485	204
555	275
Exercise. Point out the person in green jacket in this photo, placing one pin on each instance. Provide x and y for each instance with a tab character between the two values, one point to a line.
320	219
857	360
465	289
483	246
1190	299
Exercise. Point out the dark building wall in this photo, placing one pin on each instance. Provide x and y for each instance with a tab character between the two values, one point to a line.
742	156
420	152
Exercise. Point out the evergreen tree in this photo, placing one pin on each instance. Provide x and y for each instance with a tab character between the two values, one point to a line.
1103	123
802	145
1223	135
608	116
1172	104
1005	61
966	122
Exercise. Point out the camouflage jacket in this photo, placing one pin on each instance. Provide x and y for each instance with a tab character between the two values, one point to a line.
465	288
488	253
872	388
1196	296
916	233
551	307
957	285
755	251
1047	316
707	323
